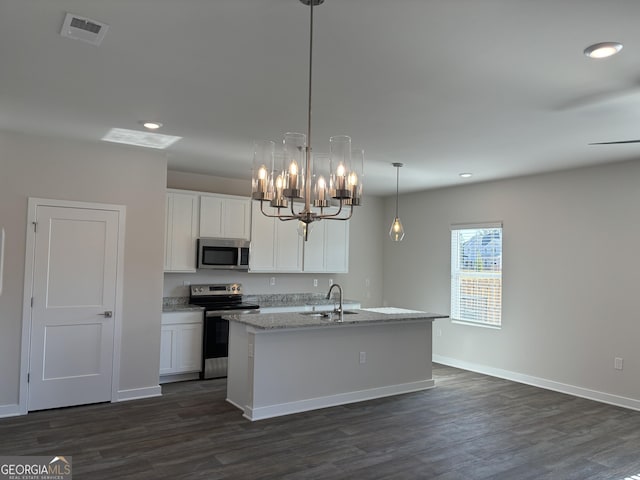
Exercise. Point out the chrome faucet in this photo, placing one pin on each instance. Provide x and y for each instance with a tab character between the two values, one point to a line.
339	309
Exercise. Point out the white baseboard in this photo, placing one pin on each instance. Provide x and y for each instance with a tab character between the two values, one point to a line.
278	410
10	410
603	397
235	404
179	377
138	393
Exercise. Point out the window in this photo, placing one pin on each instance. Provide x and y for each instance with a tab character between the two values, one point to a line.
476	273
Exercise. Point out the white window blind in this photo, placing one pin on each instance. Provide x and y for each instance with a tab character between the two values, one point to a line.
476	273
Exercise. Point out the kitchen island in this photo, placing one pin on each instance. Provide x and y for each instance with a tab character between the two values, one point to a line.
284	363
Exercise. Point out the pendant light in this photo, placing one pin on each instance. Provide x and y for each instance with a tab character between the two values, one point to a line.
397	231
303	188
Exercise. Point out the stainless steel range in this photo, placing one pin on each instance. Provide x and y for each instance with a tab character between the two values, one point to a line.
218	299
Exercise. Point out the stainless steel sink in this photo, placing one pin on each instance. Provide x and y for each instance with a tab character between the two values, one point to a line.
316	314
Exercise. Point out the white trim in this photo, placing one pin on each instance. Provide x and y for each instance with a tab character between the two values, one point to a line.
117	330
576	391
269	411
466	226
239	407
1	257
10	410
476	324
33	204
138	393
179	377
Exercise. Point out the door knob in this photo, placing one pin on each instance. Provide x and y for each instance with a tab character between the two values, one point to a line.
107	314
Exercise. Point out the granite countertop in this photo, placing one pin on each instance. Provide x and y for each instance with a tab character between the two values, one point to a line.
294	299
178	304
273	321
314	302
181	307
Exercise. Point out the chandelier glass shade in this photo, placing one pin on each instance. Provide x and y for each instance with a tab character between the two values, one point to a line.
301	185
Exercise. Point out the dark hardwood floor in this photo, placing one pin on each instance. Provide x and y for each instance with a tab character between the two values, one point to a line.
469	427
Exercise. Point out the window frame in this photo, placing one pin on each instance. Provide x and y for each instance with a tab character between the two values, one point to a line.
455	273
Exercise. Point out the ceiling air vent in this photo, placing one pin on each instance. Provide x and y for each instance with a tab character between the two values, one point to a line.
82	28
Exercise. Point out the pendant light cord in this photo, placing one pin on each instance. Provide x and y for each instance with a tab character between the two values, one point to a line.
397	187
310	74
307	186
397	165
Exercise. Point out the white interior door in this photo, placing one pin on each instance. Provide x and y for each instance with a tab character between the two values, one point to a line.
74	295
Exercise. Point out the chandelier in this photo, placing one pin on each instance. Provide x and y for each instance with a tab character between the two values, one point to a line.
300	185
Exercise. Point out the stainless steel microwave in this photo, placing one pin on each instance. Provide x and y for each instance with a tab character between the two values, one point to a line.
223	254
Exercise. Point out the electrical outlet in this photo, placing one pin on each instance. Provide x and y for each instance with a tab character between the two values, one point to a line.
363	357
617	363
367	282
315	282
330	281
272	281
186	283
439	332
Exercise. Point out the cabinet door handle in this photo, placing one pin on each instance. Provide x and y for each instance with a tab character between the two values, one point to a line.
107	314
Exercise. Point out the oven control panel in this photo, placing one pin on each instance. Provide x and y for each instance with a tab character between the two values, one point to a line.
216	289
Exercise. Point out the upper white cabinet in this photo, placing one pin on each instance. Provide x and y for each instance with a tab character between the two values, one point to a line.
327	249
225	216
275	245
181	232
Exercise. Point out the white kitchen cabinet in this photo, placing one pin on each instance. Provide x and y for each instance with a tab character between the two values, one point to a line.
289	246
336	247
181	343
181	232
262	256
327	249
225	216
275	245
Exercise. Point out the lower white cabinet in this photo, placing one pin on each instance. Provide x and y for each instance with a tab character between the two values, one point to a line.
181	343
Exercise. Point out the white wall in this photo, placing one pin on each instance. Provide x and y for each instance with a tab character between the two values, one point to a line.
571	273
366	235
32	166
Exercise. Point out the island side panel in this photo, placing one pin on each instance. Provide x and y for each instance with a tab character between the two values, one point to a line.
238	365
303	369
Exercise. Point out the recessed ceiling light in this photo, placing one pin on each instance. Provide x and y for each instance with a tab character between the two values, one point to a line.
140	139
466	175
150	125
602	50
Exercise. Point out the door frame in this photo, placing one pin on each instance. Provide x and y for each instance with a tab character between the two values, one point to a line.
25	354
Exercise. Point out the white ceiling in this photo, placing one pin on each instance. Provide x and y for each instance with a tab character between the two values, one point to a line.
498	88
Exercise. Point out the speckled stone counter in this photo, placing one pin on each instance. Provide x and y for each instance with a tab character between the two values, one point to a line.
293	299
178	304
271	321
182	308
